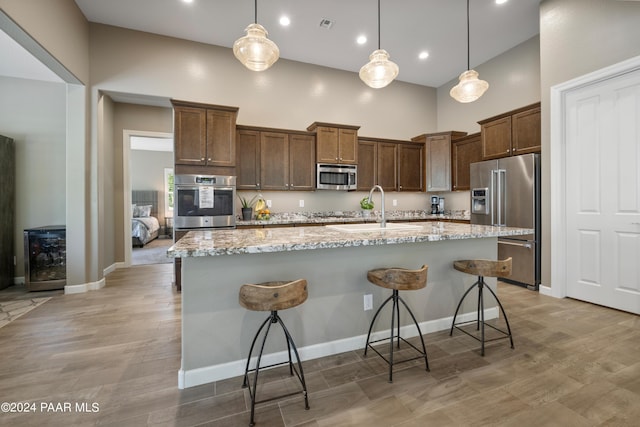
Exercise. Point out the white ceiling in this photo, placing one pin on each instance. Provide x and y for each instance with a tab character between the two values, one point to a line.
407	28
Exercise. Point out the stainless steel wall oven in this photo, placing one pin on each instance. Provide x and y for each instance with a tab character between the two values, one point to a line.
204	201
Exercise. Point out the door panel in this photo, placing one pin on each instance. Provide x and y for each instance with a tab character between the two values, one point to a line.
603	192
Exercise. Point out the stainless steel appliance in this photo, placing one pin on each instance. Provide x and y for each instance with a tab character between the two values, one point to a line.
204	201
336	177
506	192
435	204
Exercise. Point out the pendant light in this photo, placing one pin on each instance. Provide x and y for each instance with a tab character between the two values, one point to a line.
470	87
379	71
254	50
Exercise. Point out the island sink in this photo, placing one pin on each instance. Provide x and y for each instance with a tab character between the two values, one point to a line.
357	228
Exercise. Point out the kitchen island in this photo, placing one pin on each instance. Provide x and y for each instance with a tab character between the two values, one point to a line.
217	332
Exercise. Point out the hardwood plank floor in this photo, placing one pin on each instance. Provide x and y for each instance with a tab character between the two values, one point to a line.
574	364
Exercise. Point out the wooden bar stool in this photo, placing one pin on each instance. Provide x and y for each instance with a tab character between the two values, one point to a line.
397	279
273	296
483	268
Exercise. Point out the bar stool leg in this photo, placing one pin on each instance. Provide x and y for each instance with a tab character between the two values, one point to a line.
458	307
504	314
300	375
253	343
373	321
424	348
273	319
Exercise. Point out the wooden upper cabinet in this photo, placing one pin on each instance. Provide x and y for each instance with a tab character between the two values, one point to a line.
302	154
204	135
387	166
335	143
274	161
368	163
464	151
221	138
512	133
247	159
190	135
410	167
438	158
525	132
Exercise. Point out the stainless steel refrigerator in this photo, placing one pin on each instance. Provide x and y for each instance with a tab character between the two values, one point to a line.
506	192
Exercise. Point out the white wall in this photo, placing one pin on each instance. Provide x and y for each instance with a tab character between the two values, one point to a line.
576	38
33	114
147	173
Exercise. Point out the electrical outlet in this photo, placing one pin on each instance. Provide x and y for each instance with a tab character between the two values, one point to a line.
368	302
268	203
395	202
301	203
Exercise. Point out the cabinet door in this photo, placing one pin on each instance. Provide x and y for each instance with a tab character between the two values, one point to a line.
248	160
368	163
302	162
438	163
496	138
388	166
347	146
525	132
326	145
274	161
464	151
190	135
221	138
410	167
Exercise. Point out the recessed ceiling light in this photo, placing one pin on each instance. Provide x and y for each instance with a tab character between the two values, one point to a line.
423	55
501	1
361	39
187	1
285	21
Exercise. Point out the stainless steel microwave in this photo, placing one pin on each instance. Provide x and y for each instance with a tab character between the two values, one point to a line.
336	177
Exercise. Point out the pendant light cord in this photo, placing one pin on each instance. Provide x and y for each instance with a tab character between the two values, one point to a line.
255	11
468	48
379	24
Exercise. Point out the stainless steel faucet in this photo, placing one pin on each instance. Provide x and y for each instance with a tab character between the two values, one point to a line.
383	223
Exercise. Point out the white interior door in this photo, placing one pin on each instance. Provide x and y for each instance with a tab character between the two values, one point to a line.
603	193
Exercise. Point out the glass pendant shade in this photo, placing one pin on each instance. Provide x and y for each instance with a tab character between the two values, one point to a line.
470	87
255	51
379	71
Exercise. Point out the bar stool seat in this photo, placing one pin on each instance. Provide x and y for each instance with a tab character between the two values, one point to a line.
397	279
483	268
273	296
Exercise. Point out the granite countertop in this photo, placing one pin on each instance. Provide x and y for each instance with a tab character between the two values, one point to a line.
330	217
264	240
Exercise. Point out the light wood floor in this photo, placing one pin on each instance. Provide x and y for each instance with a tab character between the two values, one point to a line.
574	364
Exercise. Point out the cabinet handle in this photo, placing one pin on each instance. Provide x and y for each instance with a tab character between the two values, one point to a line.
209	159
508	151
202	159
286	185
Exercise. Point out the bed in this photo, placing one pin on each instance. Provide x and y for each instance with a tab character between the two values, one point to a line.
145	226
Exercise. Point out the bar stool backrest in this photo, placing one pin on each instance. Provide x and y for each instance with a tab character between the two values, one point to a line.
484	267
399	279
273	296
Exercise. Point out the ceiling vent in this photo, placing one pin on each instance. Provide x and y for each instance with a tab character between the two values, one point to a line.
326	23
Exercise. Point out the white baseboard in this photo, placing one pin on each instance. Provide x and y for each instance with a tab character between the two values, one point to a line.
85	287
18	280
113	267
194	377
551	291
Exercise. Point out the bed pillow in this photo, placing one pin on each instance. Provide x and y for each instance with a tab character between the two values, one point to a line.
134	210
144	210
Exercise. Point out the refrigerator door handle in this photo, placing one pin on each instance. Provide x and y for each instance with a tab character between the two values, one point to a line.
522	245
502	203
495	201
